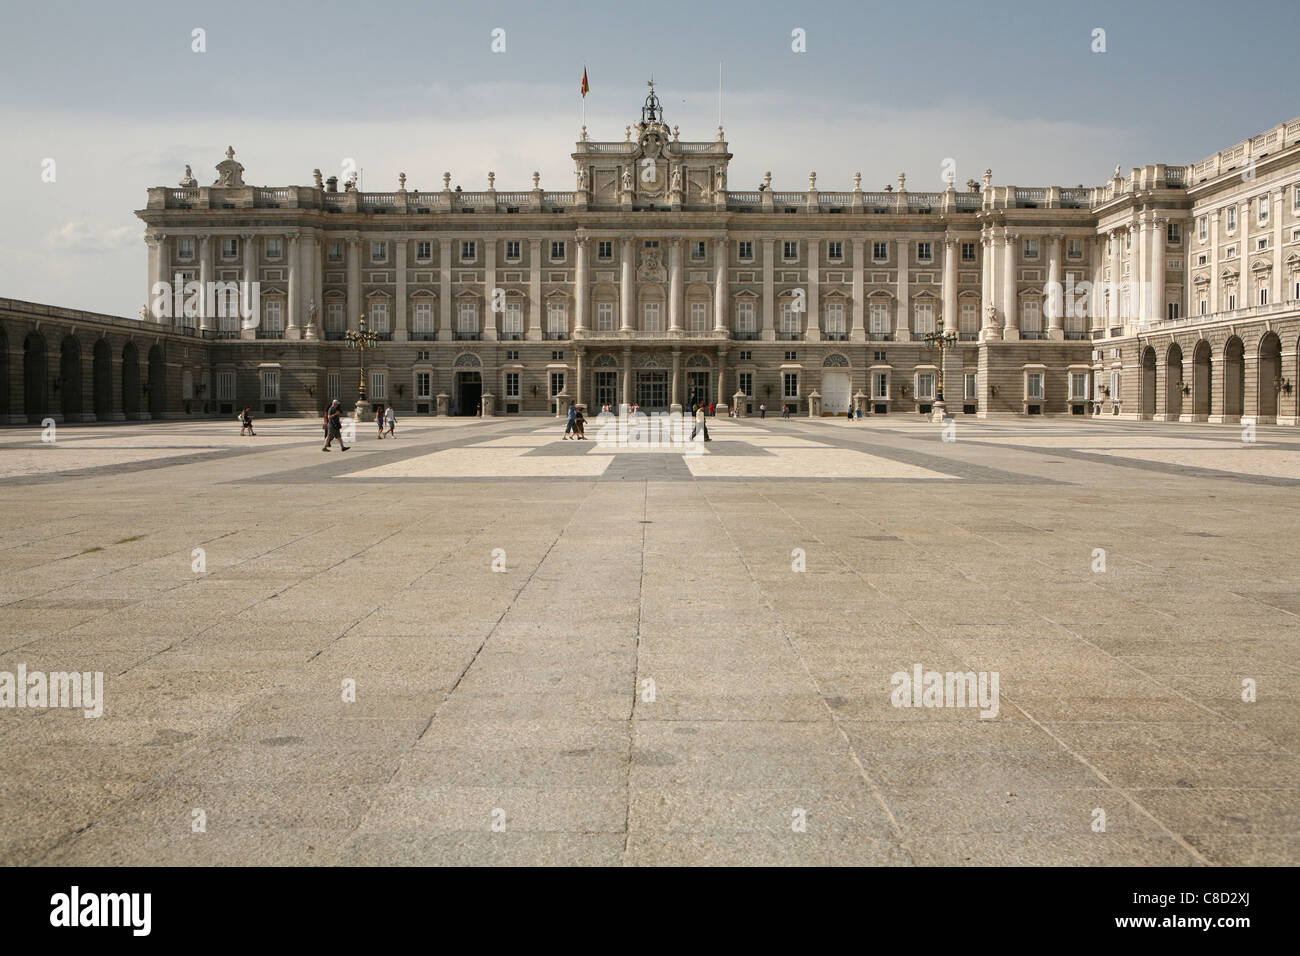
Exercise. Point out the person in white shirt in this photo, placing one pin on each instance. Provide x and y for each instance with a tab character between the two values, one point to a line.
700	425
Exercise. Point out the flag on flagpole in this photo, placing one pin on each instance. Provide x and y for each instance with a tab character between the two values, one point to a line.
585	85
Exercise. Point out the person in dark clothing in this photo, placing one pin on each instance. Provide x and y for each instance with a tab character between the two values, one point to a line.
570	426
246	421
334	423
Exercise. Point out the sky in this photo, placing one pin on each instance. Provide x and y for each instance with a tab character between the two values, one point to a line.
117	96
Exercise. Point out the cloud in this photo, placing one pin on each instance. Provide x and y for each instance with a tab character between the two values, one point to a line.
81	236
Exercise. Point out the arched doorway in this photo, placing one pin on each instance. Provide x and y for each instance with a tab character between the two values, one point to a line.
1202	377
1173	383
130	381
4	376
699	381
836	385
1234	380
1270	372
157	382
1148	410
70	378
36	386
468	388
103	384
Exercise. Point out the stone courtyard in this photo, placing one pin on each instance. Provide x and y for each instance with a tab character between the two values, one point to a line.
479	644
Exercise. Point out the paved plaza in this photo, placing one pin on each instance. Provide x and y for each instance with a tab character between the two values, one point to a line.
477	643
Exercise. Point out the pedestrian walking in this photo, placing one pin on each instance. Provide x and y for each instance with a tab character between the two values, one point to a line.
713	409
334	426
762	411
246	421
579	423
570	424
785	411
390	418
379	419
700	425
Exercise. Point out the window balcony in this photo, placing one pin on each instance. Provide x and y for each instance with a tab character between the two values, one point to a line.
512	336
550	336
1076	336
880	336
789	336
270	333
466	336
424	336
333	336
968	336
745	336
1032	335
220	333
835	337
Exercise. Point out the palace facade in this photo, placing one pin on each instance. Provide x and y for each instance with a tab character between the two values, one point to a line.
1170	292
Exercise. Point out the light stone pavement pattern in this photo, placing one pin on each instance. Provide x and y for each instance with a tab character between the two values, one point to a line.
522	691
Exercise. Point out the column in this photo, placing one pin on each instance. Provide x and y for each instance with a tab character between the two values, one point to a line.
675	284
722	402
767	320
858	331
627	376
950	283
1116	248
354	282
1054	303
720	303
626	289
1156	308
1275	294
158	264
317	249
1096	315
313	308
814	333
292	327
1214	267
676	383
1244	299
205	277
578	383
1141	273
400	320
1010	303
988	309
444	290
534	333
581	284
902	321
489	287
248	324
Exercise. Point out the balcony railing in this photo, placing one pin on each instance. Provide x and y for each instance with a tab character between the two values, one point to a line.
554	336
332	335
466	336
789	336
270	333
880	336
835	337
1076	336
968	336
1025	334
424	336
746	336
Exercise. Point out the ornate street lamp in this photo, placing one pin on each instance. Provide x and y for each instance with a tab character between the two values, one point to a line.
361	339
941	341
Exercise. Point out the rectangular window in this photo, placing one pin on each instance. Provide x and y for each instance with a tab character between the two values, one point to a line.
1204	306
332	384
835	250
512	384
1295	199
1078	386
968	252
1174	233
423	251
335	318
924	386
746	355
651	318
1230	252
1261	244
790	251
699	317
378	317
557	250
270	384
185	248
273	315
745	317
557	383
379	252
512	250
336	252
791	356
1232	218
512	320
1232	301
274	248
604	316
1114	386
225	385
879	318
790	323
745	382
970	319
1031	248
229	248
423	384
1203	228
1031	316
880	385
467	319
379	385
970	386
924	251
557	320
880	251
924	317
790	383
423	322
557	356
1263	295
512	355
1034	386
745	250
698	250
468	251
1174	310
605	250
1262	210
1074	248
835	319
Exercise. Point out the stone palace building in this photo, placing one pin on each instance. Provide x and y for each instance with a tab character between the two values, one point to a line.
1170	292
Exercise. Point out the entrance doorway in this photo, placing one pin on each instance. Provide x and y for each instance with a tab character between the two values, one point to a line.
697	387
605	389
652	389
469	392
835	393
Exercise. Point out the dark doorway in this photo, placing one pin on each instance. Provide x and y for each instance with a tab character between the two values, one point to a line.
4	376
70	378
1234	380
652	390
1270	373
1148	384
469	392
1202	376
103	385
1173	383
130	381
36	388
157	382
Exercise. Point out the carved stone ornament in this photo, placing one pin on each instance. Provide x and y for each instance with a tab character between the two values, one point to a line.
652	268
229	171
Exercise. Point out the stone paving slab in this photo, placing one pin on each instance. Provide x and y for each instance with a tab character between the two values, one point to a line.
480	644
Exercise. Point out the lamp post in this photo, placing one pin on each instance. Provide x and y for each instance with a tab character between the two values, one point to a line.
361	339
941	341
